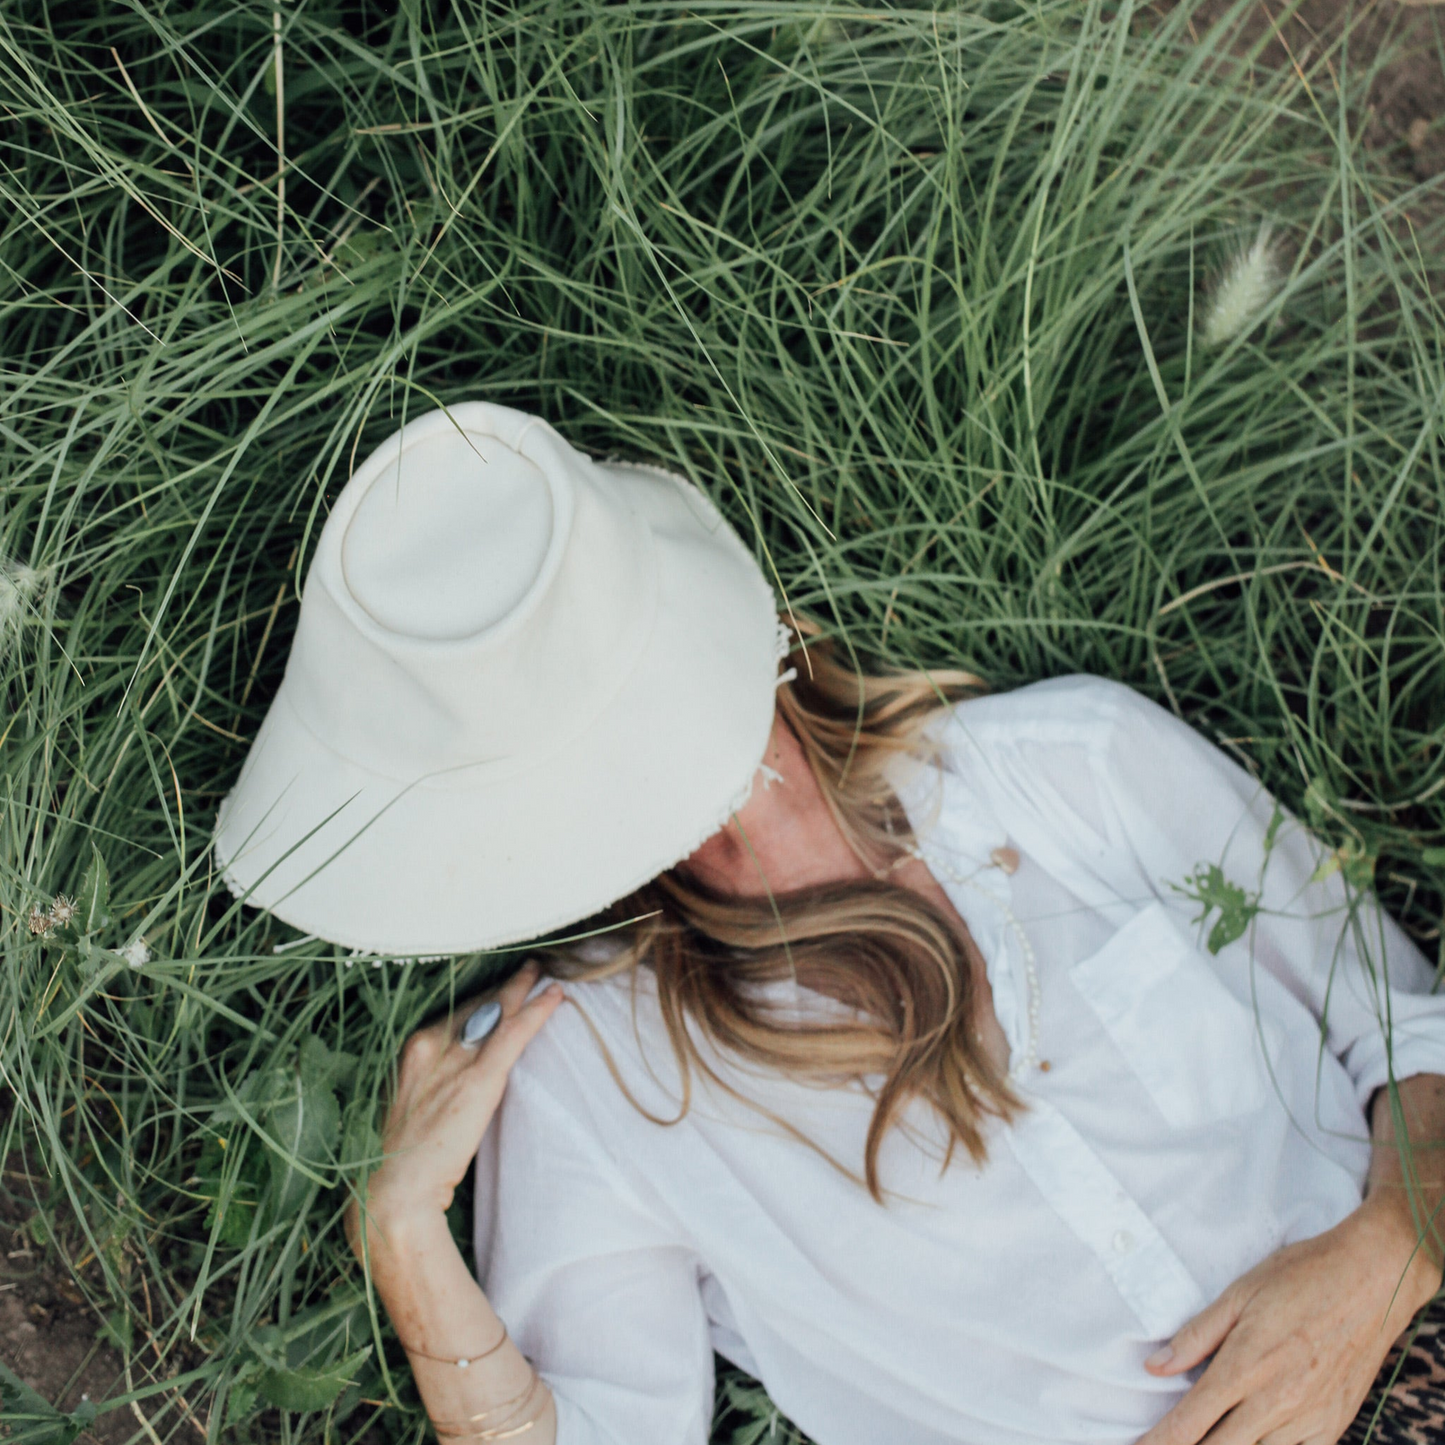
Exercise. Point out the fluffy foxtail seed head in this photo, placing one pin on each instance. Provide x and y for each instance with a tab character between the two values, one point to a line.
17	586
1249	281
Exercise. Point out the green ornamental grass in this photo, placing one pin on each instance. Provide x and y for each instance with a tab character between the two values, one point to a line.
1034	338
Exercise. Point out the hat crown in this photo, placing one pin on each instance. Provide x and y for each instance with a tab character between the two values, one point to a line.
448	538
478	594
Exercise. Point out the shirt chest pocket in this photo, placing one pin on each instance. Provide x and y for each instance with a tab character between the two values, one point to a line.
1190	1042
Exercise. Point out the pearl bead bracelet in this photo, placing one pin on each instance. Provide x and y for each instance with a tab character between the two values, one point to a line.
462	1362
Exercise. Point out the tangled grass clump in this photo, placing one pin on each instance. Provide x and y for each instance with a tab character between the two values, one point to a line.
912	293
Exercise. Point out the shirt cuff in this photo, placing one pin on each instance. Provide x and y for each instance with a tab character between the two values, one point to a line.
1417	1046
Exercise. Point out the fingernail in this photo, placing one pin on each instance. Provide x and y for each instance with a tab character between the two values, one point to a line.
1160	1357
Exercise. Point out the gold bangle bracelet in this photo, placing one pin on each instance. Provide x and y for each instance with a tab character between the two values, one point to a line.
507	1433
510	1405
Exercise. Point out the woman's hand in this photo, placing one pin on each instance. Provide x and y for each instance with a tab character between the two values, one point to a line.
1297	1342
445	1097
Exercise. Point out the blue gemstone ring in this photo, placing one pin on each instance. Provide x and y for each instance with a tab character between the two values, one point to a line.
482	1021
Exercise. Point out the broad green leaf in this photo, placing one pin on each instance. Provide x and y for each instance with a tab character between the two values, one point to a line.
1234	919
92	908
361	1142
268	1344
319	1065
311	1389
310	1331
306	1128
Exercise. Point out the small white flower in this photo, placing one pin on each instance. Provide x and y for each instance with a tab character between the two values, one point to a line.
62	910
1249	281
136	953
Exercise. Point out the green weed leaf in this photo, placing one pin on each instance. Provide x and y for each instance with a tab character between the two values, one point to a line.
30	1419
311	1389
241	1403
234	1199
92	909
1357	864
1352	860
306	1124
117	1331
1317	802
1271	833
322	1067
1208	887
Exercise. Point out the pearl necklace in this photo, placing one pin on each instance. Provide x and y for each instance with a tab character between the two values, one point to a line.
1030	1059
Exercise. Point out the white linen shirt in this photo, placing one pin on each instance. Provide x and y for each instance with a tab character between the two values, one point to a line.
1197	1112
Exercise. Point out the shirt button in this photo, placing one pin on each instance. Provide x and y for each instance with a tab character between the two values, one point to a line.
1123	1242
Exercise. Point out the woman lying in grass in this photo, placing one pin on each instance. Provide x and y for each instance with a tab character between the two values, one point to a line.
906	1081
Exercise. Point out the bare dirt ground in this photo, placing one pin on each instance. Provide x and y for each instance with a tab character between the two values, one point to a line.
53	1340
50	1337
1405	119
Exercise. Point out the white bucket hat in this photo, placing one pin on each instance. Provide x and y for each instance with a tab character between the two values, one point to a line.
523	683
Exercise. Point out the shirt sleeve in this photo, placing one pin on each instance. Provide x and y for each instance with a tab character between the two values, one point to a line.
598	1294
1185	804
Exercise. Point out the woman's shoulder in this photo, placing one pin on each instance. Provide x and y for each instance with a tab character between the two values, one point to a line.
1080	709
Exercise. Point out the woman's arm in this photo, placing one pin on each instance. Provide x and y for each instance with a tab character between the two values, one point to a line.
446	1095
1407	1185
438	1307
1297	1342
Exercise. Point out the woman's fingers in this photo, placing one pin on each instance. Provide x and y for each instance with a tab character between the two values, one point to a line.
516	988
1197	1339
1243	1426
518	1028
508	999
447	1095
1212	1397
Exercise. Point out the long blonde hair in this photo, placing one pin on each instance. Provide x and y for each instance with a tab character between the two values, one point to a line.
874	945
